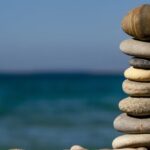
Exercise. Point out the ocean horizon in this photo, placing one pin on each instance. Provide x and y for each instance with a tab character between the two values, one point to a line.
59	72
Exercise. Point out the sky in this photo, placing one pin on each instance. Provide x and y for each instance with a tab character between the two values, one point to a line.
63	35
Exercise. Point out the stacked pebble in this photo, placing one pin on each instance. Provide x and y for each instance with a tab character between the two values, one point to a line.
135	119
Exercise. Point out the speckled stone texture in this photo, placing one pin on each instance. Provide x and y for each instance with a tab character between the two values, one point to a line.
135	106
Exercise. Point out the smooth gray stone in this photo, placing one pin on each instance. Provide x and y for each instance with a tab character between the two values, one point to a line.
128	124
135	106
134	88
132	141
136	48
140	63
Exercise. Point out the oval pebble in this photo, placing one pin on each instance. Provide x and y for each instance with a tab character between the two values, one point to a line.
129	124
135	74
135	106
132	141
140	63
134	88
135	48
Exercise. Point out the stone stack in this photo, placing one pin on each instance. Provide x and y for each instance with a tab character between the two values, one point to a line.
134	122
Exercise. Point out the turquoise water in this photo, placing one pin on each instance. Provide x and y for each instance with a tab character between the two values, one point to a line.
55	111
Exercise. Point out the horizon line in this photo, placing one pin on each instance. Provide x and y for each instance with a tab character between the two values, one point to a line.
34	72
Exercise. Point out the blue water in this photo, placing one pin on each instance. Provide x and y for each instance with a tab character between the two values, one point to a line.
55	111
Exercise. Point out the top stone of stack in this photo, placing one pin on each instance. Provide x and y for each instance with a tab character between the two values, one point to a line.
137	23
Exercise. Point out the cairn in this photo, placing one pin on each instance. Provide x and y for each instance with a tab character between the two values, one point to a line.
134	122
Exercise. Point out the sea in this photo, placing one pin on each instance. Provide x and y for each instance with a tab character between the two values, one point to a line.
54	111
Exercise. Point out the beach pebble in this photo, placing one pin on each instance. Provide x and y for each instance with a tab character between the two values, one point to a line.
77	147
129	124
137	22
132	141
140	63
135	106
137	74
134	88
136	48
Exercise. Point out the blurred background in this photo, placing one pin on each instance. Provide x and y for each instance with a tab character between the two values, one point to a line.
60	72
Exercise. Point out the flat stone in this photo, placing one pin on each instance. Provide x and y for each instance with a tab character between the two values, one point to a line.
132	141
137	74
135	106
140	63
129	124
136	48
134	88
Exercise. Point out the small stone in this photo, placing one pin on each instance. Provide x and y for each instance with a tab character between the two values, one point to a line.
136	48
129	124
140	63
77	147
132	140
134	88
137	74
135	106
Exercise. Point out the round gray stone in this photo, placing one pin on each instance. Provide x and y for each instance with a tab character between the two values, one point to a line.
134	88
140	63
135	106
128	124
136	48
132	141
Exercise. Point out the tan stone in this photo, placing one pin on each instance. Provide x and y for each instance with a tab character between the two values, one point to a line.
136	48
132	140
128	124
137	74
135	106
134	88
